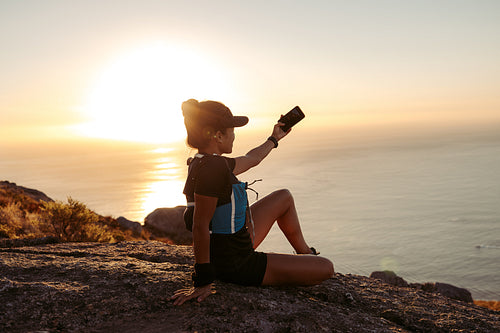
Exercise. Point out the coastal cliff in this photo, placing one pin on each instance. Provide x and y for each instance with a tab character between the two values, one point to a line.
50	285
126	286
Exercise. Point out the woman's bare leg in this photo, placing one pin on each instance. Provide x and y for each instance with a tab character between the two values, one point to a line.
286	269
278	206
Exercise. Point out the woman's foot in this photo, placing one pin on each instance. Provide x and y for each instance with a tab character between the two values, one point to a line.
314	251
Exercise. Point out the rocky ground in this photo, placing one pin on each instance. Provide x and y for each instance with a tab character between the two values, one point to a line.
95	287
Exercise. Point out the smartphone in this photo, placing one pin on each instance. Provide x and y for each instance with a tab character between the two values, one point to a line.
291	118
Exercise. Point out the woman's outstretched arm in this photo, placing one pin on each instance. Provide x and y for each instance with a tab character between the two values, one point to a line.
256	155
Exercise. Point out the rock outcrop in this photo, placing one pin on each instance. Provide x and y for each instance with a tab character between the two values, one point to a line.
32	193
447	290
169	223
389	277
444	289
125	223
126	287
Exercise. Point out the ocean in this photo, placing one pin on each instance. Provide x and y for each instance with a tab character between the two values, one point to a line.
423	204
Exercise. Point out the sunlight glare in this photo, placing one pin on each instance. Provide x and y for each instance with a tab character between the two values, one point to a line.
165	193
138	97
166	186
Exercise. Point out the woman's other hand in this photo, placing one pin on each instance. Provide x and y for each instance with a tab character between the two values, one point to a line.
200	293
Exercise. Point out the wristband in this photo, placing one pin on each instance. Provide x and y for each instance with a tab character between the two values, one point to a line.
203	274
273	140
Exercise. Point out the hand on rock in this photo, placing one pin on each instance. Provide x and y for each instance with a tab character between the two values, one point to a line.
200	293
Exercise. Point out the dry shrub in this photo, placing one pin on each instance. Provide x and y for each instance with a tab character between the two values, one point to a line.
19	215
68	222
26	203
16	222
74	222
24	217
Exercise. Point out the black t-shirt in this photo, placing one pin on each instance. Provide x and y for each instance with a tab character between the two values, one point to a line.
212	175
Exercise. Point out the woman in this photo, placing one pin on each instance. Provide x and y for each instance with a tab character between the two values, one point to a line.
218	211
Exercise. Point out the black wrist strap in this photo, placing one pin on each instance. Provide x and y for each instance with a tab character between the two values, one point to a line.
273	140
203	274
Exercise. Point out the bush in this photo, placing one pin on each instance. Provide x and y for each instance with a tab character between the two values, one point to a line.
74	222
24	217
16	222
26	203
68	222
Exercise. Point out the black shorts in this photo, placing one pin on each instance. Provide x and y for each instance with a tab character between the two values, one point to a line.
235	260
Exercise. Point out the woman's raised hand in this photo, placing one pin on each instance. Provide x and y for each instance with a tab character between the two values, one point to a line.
200	293
278	133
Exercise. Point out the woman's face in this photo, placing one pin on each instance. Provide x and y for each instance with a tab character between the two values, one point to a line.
226	146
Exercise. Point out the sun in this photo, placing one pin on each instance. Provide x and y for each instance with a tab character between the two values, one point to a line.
138	96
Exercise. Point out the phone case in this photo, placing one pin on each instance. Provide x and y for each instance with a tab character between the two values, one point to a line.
291	118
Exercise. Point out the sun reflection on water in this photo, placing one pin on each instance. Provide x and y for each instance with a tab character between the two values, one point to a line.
165	182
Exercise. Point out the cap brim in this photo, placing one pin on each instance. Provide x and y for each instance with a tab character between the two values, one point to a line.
239	121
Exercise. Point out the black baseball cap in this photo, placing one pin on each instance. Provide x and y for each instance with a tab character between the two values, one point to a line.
222	115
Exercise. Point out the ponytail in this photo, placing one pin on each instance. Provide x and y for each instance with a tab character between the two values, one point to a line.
200	126
190	109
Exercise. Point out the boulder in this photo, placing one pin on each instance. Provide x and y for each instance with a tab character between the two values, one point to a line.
136	227
389	277
169	222
449	291
444	289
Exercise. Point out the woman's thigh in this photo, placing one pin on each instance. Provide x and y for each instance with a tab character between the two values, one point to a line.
285	269
266	211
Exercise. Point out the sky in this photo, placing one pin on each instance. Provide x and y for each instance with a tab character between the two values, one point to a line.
120	69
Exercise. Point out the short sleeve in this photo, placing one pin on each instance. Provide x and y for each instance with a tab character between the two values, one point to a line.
213	177
231	162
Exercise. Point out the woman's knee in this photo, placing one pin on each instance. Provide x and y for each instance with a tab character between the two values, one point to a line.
328	268
284	194
323	268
